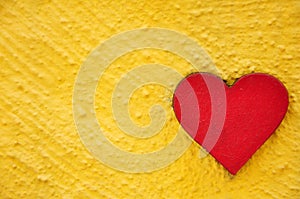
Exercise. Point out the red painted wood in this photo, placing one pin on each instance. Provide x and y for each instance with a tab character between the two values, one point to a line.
244	115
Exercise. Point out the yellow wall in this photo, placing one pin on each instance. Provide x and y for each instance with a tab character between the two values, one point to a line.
42	46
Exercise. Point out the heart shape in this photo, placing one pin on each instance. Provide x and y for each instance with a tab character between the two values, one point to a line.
231	123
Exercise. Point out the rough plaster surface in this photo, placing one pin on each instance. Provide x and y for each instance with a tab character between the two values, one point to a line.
42	45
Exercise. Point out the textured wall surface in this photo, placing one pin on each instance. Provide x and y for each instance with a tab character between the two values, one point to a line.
42	46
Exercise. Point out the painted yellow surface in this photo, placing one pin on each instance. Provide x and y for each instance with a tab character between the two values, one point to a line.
42	46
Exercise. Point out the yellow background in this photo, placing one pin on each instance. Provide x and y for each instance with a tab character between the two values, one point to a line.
42	45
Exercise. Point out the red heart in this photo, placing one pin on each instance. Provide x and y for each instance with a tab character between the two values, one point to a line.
231	123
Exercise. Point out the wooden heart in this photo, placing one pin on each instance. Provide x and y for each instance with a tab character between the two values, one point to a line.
231	123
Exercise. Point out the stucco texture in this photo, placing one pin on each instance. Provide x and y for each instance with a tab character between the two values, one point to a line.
42	46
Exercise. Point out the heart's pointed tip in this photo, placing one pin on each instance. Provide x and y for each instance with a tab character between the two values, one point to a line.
232	171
